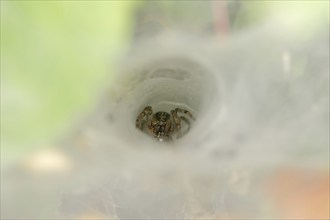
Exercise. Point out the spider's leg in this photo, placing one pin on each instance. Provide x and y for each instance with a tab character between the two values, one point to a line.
143	117
140	120
185	120
177	122
168	126
176	119
185	112
149	119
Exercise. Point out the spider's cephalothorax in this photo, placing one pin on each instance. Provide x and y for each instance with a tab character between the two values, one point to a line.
163	125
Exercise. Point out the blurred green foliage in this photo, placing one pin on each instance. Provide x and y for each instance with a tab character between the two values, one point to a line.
54	57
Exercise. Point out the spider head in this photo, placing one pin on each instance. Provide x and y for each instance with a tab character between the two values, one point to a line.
159	125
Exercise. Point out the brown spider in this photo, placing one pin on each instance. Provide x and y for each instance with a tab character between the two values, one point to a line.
162	125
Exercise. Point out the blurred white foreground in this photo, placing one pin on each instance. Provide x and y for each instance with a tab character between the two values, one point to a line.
259	147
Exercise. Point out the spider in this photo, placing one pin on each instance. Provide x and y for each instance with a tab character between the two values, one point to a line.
163	125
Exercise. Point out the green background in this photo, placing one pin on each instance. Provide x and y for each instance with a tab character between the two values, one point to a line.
54	57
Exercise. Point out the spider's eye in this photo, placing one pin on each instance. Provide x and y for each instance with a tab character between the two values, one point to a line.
158	115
